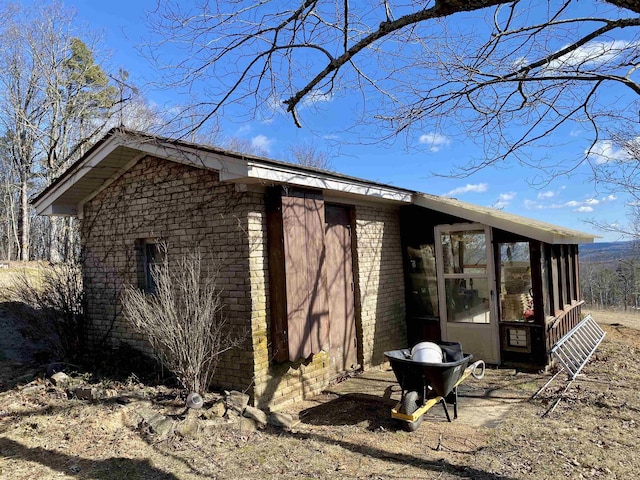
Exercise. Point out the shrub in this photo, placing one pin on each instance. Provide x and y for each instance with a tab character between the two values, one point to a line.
52	303
182	319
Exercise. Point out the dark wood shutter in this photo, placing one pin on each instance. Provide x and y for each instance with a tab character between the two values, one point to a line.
307	306
299	306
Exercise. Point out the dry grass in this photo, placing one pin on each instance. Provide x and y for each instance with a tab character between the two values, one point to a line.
17	270
592	434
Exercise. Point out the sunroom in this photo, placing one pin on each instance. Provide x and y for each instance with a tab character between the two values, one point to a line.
504	286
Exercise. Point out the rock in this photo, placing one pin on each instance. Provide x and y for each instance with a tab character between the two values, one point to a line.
60	379
232	415
163	427
31	390
86	393
237	401
257	415
188	428
278	419
248	425
54	368
154	422
217	410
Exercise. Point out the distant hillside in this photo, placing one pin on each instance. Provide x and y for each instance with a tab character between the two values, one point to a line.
609	251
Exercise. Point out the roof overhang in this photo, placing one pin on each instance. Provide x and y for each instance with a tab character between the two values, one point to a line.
527	227
120	149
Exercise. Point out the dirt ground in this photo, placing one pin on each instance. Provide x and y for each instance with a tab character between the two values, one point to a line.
346	432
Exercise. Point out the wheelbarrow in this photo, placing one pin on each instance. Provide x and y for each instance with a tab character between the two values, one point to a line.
427	384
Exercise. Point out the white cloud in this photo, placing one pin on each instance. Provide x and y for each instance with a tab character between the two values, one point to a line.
604	151
580	206
435	141
507	197
545	195
504	199
584	209
314	97
592	54
609	198
531	205
243	130
262	142
476	188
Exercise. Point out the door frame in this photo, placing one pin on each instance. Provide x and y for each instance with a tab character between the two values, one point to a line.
493	326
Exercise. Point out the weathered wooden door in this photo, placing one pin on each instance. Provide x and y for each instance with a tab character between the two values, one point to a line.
343	350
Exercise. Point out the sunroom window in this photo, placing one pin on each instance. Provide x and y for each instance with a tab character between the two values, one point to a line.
516	293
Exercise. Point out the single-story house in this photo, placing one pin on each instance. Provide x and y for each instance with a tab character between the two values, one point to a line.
324	271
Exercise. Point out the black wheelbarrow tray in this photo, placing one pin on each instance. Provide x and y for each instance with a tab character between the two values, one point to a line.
427	384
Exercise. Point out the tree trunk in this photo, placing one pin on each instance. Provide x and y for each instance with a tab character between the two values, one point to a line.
23	221
54	239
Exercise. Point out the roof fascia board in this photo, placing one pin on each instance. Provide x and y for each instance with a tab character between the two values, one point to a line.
90	162
325	182
528	231
181	154
60	210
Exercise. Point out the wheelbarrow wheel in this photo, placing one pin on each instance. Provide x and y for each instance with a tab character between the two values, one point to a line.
411	403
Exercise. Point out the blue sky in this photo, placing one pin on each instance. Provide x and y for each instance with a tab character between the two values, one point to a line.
566	201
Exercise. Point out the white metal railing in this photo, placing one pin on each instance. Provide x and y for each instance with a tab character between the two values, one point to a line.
576	347
573	351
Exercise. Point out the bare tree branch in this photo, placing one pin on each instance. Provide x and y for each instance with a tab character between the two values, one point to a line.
507	83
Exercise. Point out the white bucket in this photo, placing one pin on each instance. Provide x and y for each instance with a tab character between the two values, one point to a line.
426	352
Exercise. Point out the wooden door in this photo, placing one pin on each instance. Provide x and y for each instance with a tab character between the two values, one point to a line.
343	349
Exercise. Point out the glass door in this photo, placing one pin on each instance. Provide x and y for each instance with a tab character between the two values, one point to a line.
466	289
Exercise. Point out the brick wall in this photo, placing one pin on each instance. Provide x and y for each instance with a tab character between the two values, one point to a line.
380	282
185	207
381	318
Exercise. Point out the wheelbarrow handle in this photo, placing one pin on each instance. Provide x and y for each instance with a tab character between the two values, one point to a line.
479	365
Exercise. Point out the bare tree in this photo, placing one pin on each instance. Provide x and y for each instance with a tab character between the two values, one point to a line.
8	204
615	163
244	145
182	319
54	100
308	155
507	82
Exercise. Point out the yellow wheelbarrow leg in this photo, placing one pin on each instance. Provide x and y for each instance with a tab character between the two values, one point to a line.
395	412
413	417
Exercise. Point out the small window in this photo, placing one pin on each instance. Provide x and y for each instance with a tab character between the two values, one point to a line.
150	255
